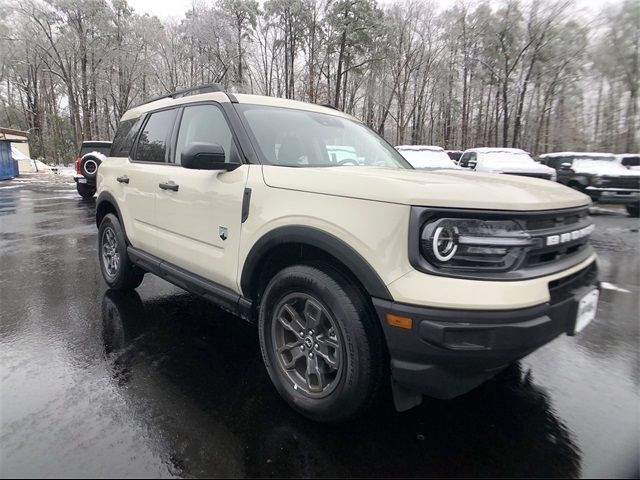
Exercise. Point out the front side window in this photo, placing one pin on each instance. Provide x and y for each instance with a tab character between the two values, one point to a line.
154	138
204	123
300	138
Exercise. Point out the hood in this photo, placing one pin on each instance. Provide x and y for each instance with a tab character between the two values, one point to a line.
613	170
515	166
443	188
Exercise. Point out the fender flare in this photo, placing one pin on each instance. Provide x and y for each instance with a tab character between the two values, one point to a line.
322	240
106	197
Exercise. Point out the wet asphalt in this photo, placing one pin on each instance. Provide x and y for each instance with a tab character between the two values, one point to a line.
161	383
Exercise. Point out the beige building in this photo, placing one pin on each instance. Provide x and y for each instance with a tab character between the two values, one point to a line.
20	147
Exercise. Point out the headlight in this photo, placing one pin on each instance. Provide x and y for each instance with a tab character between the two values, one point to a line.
470	244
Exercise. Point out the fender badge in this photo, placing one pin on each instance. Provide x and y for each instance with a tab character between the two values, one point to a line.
223	232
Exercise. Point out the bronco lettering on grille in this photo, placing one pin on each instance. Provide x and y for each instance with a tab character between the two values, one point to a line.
569	236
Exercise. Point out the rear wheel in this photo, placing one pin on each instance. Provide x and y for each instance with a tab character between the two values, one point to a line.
633	210
86	191
117	269
320	343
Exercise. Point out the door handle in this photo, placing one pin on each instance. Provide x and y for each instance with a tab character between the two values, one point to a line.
123	179
169	186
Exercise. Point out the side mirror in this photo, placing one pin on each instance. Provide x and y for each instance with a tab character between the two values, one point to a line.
565	166
205	156
472	164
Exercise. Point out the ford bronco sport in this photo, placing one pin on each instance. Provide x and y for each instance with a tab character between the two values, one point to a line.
359	272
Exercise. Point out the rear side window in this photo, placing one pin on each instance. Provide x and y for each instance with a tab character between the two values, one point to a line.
154	137
125	136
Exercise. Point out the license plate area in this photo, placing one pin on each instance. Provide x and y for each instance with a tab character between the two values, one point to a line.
82	180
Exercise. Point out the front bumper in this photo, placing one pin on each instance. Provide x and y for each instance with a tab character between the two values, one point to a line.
448	352
613	195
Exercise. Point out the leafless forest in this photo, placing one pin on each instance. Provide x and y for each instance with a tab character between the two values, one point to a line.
539	75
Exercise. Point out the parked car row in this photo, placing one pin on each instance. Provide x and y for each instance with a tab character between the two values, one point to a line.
604	177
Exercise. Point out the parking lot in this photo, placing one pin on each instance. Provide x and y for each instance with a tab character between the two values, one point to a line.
161	383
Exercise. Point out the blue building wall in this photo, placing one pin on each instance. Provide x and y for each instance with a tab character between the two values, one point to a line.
8	166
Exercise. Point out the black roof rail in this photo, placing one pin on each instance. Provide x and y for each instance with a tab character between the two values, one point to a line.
207	88
328	105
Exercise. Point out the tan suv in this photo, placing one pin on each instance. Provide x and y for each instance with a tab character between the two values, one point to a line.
359	270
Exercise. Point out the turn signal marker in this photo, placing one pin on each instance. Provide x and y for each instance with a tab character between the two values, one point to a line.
400	322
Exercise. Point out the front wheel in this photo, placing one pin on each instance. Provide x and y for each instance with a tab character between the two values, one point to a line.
633	210
86	191
117	269
320	343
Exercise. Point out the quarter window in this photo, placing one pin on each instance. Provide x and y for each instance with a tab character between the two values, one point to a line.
154	138
204	123
125	136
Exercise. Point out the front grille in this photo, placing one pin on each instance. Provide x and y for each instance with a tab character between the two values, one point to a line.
563	288
543	226
546	176
619	182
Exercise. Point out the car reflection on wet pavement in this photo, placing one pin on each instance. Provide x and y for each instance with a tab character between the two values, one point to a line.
161	383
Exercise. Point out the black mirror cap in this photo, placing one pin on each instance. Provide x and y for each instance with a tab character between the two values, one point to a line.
205	156
565	166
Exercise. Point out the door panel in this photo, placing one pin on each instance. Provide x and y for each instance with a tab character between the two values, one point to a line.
144	172
192	221
139	197
189	222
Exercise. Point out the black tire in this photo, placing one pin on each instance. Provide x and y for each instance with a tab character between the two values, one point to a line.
89	166
117	269
633	210
86	191
361	363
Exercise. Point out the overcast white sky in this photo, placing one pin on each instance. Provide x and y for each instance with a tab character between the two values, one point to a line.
177	8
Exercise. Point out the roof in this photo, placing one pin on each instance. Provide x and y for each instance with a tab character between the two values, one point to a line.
495	150
222	97
575	154
96	142
435	148
13	135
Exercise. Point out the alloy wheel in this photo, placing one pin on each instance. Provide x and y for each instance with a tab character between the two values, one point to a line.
308	344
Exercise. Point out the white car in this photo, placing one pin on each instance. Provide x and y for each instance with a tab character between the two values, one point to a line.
512	161
427	157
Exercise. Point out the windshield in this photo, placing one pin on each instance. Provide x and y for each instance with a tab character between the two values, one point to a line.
427	158
504	158
299	138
